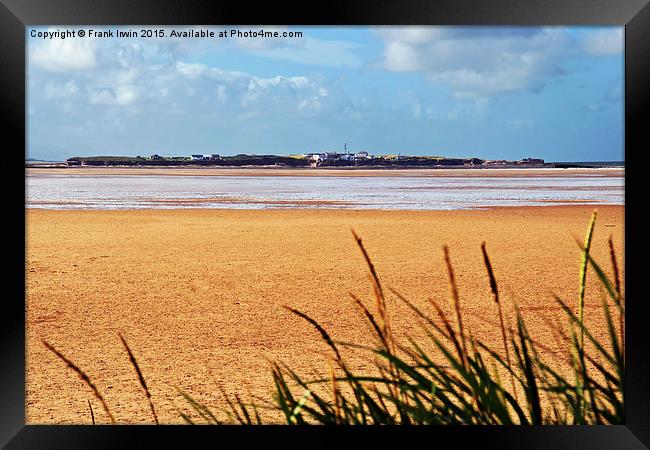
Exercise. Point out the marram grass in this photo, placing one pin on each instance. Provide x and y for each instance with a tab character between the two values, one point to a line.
461	381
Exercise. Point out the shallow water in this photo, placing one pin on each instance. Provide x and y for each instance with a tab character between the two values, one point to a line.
50	191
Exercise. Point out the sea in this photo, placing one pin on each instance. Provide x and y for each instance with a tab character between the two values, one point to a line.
111	192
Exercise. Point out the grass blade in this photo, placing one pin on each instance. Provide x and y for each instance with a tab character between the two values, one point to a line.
136	366
84	378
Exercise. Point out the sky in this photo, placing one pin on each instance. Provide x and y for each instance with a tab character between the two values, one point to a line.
490	92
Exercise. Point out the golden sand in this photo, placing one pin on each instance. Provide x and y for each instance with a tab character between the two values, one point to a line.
198	294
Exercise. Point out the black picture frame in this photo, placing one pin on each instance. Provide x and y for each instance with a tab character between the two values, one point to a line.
16	15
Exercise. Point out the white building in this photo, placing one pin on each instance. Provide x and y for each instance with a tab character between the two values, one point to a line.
317	156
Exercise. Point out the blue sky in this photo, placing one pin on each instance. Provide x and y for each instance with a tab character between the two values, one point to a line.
489	92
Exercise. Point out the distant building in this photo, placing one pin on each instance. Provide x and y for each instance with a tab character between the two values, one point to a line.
155	157
531	161
320	156
212	156
196	157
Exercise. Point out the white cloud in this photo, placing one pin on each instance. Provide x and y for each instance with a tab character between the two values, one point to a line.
478	61
301	93
62	55
123	78
605	42
402	57
122	95
191	70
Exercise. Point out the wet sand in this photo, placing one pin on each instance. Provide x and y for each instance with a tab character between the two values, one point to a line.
325	172
198	294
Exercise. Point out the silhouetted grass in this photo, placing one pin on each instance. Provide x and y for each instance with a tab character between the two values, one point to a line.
85	379
416	387
92	414
135	365
460	380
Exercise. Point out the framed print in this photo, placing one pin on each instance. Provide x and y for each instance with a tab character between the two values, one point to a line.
368	214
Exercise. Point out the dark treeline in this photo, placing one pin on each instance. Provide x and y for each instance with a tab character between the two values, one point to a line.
270	160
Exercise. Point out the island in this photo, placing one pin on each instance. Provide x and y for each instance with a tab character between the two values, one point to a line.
361	159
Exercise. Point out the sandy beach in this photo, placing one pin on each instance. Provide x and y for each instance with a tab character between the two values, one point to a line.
198	294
